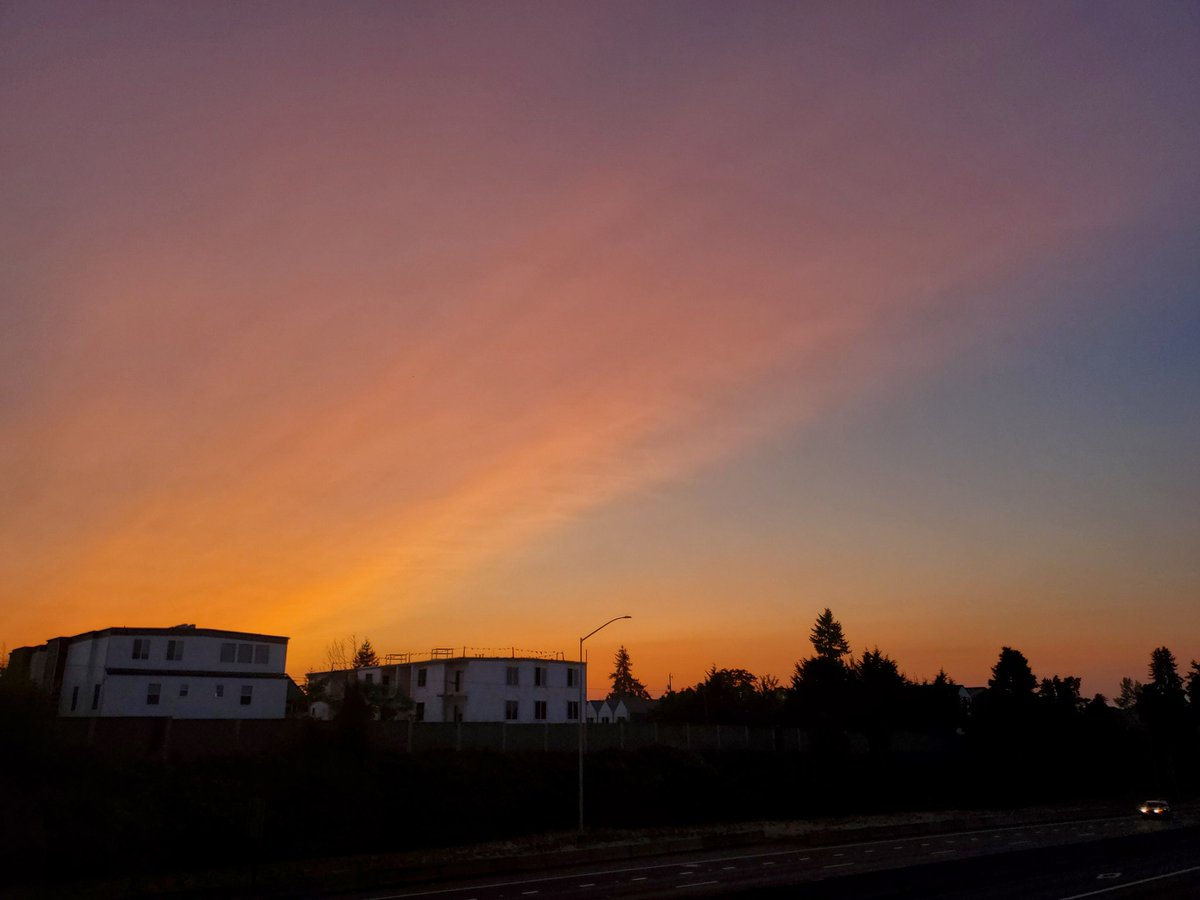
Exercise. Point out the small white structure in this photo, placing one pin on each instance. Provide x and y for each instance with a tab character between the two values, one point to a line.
448	688
182	672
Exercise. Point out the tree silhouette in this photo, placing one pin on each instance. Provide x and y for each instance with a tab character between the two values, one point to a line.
624	684
827	637
1193	684
1162	701
880	688
365	655
1011	675
1130	691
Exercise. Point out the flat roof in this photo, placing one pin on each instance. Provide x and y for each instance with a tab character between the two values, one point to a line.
172	631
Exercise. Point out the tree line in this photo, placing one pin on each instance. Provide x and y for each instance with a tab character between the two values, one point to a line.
832	692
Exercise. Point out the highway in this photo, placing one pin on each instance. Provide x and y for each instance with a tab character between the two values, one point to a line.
1118	858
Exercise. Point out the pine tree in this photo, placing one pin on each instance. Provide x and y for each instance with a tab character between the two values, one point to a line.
827	637
365	655
624	684
1011	676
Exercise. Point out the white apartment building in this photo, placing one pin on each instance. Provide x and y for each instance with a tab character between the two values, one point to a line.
445	688
182	672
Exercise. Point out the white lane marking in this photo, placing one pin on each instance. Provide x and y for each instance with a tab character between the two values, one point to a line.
837	865
527	893
694	884
1104	875
925	845
1086	834
975	839
768	864
868	851
839	854
940	852
728	868
589	884
639	878
898	847
1121	887
994	833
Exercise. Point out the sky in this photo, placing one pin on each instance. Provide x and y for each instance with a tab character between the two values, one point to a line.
477	325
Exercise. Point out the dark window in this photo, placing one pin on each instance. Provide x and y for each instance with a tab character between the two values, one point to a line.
510	710
174	650
183	690
74	697
386	679
245	653
539	710
539	676
152	693
369	677
572	708
419	715
262	654
247	694
141	648
512	676
458	681
421	675
570	678
219	690
229	653
95	696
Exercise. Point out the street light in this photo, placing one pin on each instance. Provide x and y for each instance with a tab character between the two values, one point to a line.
582	714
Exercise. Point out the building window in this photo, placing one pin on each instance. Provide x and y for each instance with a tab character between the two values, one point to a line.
247	694
174	650
95	696
74	697
229	653
539	676
512	676
386	680
219	691
245	653
152	693
511	710
421	676
458	682
141	648
539	710
570	677
419	713
572	709
262	654
183	690
369	677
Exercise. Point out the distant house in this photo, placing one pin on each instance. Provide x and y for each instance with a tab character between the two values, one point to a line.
458	688
967	695
632	709
182	672
600	711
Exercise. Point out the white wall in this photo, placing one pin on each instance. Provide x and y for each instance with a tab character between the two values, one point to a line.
198	685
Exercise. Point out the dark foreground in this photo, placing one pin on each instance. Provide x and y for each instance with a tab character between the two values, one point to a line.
1117	857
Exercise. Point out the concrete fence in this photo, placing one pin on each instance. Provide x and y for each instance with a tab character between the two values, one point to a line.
199	738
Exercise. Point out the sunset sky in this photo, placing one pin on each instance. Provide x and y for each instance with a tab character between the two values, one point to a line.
478	324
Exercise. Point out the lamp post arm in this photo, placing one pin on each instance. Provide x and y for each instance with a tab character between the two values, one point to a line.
602	627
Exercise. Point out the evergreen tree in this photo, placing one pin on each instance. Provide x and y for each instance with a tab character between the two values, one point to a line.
1162	702
1011	676
1193	684
365	655
624	684
827	637
1130	691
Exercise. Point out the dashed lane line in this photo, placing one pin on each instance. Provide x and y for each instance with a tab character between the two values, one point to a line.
1121	887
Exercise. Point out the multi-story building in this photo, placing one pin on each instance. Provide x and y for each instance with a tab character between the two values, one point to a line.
451	688
182	672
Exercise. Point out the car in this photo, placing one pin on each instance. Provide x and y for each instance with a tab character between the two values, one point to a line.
1155	809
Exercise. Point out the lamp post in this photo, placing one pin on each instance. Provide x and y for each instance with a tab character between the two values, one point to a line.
582	712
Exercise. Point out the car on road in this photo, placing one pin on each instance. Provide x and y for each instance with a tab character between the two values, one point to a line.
1155	809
